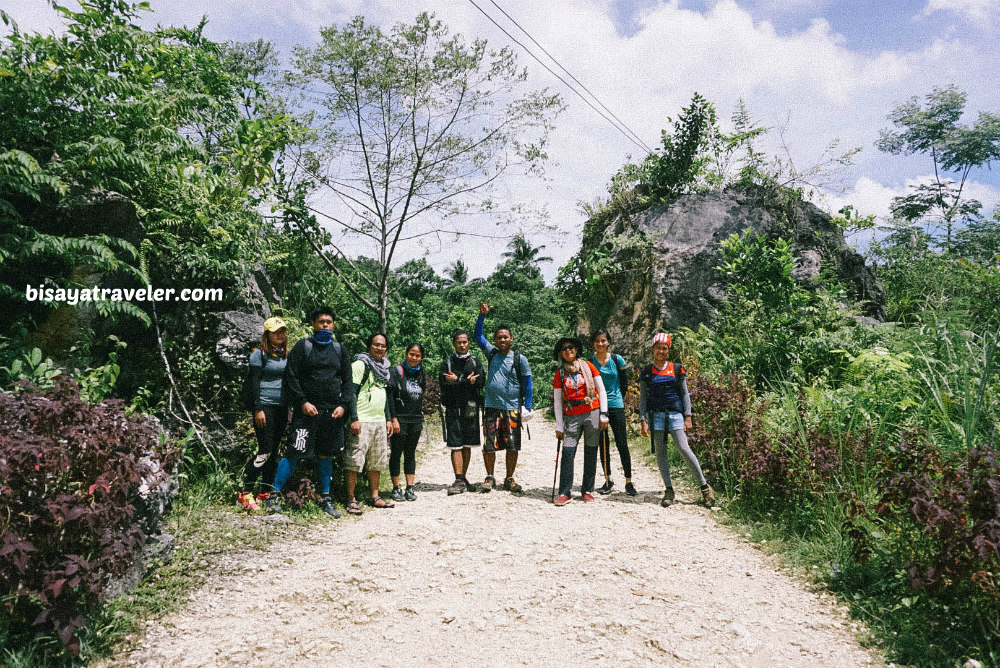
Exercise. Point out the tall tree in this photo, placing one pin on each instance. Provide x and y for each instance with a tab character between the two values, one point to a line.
411	124
955	149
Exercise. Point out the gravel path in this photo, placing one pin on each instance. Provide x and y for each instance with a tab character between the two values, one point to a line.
497	580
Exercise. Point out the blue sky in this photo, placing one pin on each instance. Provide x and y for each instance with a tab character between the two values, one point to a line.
814	70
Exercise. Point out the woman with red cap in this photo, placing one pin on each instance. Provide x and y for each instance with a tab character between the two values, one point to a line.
665	406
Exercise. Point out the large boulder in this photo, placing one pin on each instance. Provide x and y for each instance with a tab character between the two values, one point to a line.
683	288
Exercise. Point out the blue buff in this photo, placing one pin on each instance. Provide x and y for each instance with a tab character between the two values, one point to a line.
285	468
322	336
478	332
324	467
528	392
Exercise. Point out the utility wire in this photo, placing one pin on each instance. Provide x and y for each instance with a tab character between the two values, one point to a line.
570	74
565	83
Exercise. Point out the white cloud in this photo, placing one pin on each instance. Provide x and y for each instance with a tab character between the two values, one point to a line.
979	11
814	77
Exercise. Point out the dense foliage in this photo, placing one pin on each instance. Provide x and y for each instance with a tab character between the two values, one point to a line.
70	478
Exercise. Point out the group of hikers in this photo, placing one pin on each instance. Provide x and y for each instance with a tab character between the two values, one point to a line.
320	395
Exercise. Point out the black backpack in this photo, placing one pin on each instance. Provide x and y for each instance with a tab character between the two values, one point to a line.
250	391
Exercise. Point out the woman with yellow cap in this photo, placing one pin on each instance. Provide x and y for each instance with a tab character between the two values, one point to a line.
270	414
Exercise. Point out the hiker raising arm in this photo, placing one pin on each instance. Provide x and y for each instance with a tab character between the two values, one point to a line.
507	402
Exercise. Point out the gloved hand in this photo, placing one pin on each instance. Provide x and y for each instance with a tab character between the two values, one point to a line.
526	414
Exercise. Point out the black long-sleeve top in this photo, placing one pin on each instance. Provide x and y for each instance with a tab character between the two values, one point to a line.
323	377
459	392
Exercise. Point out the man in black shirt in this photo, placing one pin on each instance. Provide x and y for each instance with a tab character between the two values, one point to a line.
318	386
462	378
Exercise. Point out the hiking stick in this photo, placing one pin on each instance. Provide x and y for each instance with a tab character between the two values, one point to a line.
556	472
606	441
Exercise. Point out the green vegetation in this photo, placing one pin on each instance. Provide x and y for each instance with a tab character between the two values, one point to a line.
866	452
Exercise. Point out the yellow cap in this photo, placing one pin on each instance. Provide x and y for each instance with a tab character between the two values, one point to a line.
274	324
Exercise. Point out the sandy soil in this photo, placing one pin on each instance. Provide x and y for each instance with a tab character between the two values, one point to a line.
498	580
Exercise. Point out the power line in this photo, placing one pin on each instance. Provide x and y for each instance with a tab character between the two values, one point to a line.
570	74
565	83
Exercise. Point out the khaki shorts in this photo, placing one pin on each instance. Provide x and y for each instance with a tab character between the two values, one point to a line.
368	451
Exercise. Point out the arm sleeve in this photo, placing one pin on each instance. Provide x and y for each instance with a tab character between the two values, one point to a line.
557	407
602	393
291	386
643	398
529	388
480	336
685	396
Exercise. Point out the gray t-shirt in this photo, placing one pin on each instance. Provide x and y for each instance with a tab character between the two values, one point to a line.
270	380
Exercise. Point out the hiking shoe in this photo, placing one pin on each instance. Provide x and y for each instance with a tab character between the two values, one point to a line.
606	487
512	486
587	497
488	484
397	494
410	495
668	497
630	489
708	495
274	504
469	486
326	504
457	487
246	500
562	500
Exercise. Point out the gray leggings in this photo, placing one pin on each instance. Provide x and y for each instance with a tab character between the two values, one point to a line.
681	440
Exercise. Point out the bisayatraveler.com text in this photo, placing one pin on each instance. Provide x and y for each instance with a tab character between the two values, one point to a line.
73	296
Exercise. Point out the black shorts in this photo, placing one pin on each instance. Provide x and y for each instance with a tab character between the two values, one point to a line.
503	429
318	436
462	425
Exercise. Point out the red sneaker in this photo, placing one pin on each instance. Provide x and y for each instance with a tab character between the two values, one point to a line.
587	497
562	500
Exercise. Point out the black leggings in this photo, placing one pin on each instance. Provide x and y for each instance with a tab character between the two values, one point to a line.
261	469
404	443
616	417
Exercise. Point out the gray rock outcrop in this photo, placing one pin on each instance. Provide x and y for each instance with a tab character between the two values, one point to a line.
682	288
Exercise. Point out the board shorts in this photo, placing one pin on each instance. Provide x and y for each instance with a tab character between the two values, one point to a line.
462	425
503	429
319	436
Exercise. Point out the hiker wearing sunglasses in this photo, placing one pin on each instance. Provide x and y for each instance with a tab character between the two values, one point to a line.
508	400
580	404
665	407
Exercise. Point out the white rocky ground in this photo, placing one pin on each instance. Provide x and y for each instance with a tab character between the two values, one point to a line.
498	580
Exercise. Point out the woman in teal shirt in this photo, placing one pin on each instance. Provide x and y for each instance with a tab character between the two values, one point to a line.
614	373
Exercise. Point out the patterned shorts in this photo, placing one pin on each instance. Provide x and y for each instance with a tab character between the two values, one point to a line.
503	430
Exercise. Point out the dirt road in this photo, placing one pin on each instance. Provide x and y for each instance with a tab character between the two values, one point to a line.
498	580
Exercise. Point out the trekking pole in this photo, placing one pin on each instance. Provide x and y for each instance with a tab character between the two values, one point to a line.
555	474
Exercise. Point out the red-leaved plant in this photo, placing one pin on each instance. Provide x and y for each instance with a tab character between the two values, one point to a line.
69	486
